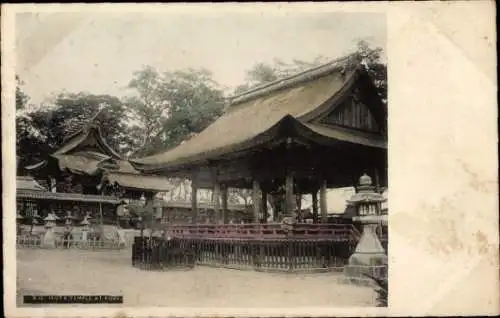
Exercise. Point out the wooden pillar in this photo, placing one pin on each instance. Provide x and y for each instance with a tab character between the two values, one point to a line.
216	199
194	201
315	205
264	206
377	181
225	212
289	198
298	204
256	201
322	202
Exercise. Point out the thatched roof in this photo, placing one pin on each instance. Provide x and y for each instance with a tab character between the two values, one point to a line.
260	115
138	181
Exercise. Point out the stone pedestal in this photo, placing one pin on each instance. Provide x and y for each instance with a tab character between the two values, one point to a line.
369	251
84	236
49	238
369	256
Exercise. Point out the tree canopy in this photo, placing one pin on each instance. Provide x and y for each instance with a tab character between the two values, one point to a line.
43	130
172	107
162	110
22	98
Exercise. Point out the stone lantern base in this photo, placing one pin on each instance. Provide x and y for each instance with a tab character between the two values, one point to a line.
369	257
49	238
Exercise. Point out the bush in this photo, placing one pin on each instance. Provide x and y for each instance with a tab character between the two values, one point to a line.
382	290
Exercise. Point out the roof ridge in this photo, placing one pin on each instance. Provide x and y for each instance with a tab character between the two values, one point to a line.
295	79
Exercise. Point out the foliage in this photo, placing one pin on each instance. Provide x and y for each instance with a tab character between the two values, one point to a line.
382	290
172	106
263	73
73	111
22	98
235	196
43	130
374	66
148	109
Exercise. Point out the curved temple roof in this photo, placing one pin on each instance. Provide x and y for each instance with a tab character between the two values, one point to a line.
86	152
257	116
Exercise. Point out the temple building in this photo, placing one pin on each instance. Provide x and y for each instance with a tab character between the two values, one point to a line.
86	169
85	164
320	129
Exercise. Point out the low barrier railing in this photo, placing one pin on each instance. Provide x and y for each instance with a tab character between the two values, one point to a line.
37	241
153	253
29	241
339	232
266	255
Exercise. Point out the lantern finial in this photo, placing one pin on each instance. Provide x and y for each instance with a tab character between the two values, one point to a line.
365	180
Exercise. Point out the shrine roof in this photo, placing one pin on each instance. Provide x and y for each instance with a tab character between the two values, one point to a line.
28	183
257	116
138	181
85	152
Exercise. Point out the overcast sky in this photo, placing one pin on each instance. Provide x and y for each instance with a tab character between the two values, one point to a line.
98	52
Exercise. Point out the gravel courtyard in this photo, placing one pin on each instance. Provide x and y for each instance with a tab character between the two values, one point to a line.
65	272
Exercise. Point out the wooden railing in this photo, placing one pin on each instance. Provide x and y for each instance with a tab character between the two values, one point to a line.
272	231
290	255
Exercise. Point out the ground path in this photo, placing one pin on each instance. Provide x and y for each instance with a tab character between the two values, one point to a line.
65	272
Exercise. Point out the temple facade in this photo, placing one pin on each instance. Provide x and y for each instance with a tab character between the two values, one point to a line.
304	134
85	176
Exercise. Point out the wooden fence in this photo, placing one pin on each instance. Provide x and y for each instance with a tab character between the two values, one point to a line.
265	255
264	247
270	231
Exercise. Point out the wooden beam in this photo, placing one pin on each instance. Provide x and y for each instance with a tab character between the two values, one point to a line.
256	201
323	200
225	212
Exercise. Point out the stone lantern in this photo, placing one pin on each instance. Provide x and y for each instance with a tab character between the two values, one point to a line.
69	219
366	200
369	250
50	220
49	236
85	227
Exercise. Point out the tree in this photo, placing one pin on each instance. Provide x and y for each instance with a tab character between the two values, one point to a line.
43	130
173	106
263	73
148	109
72	112
235	196
22	98
374	66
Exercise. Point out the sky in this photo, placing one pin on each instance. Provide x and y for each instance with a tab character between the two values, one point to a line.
98	52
